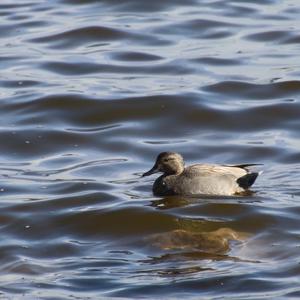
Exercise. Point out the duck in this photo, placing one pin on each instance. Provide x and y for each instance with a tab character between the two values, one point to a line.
199	179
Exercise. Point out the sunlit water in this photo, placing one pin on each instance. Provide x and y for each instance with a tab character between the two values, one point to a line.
91	91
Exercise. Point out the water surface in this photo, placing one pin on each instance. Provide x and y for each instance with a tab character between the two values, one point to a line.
91	91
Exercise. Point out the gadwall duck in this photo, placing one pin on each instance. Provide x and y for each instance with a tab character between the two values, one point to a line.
199	179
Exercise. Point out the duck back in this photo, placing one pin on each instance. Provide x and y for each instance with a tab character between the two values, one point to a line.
206	179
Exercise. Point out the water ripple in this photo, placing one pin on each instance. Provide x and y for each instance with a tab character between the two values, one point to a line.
91	91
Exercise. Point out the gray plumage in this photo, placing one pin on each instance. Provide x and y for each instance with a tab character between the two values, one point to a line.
205	179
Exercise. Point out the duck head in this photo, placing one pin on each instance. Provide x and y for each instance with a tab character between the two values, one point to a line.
169	163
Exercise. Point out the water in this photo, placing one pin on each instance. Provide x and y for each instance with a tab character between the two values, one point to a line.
91	91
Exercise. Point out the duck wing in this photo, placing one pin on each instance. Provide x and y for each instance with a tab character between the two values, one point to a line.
215	170
220	177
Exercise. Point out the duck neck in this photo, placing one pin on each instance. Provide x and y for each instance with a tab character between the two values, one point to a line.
176	171
179	170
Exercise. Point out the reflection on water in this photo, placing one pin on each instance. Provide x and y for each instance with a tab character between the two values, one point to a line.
212	242
91	91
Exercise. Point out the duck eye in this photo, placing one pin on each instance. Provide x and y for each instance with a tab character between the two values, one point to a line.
168	159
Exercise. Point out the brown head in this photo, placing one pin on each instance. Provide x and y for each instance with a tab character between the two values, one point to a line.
169	163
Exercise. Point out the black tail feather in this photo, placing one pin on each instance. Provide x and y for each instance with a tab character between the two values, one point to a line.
247	180
244	166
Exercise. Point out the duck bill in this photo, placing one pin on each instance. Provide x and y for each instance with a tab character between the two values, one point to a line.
152	171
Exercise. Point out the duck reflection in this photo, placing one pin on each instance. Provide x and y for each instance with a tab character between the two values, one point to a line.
186	263
188	253
216	242
195	235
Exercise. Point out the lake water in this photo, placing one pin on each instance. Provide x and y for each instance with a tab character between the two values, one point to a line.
91	91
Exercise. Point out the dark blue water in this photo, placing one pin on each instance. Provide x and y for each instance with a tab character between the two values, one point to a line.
91	91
